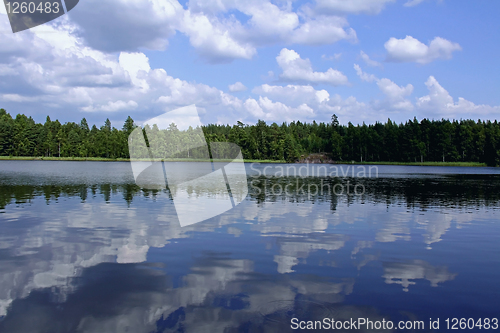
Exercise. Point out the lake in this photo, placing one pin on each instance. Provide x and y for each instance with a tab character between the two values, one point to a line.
84	249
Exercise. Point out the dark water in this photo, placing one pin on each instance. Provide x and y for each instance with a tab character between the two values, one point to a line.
83	249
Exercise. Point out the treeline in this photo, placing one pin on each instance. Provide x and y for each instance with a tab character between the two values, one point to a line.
22	136
413	141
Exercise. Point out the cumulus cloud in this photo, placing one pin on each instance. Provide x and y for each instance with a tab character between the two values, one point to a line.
127	25
364	76
305	103
174	92
211	26
369	61
238	86
266	109
297	69
439	103
349	110
66	74
134	63
352	6
50	77
271	23
395	95
268	22
323	30
51	73
293	94
411	49
392	90
214	39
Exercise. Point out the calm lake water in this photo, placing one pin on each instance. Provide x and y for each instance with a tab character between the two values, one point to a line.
83	249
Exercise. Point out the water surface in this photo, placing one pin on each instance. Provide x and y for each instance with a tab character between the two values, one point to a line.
83	249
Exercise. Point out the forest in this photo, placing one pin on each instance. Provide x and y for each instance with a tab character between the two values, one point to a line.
414	141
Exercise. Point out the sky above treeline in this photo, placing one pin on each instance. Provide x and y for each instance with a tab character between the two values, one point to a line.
364	60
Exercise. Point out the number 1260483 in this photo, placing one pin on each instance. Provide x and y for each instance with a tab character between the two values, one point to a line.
472	324
32	7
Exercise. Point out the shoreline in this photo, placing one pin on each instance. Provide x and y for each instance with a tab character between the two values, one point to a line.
101	159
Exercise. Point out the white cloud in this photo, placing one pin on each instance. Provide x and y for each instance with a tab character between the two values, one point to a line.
335	56
127	25
16	98
411	49
63	70
113	106
323	30
395	95
214	39
134	63
44	75
352	6
369	61
238	86
297	69
268	110
213	29
293	94
299	100
210	6
349	110
175	92
364	76
411	3
392	90
268	22
304	103
439	103
268	77
271	23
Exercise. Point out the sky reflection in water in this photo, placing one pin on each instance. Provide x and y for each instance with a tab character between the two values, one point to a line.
82	249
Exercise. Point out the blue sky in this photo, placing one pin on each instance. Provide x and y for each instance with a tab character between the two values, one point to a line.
365	60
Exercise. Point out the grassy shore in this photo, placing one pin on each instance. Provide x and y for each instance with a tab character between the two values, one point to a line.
448	164
101	159
44	158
